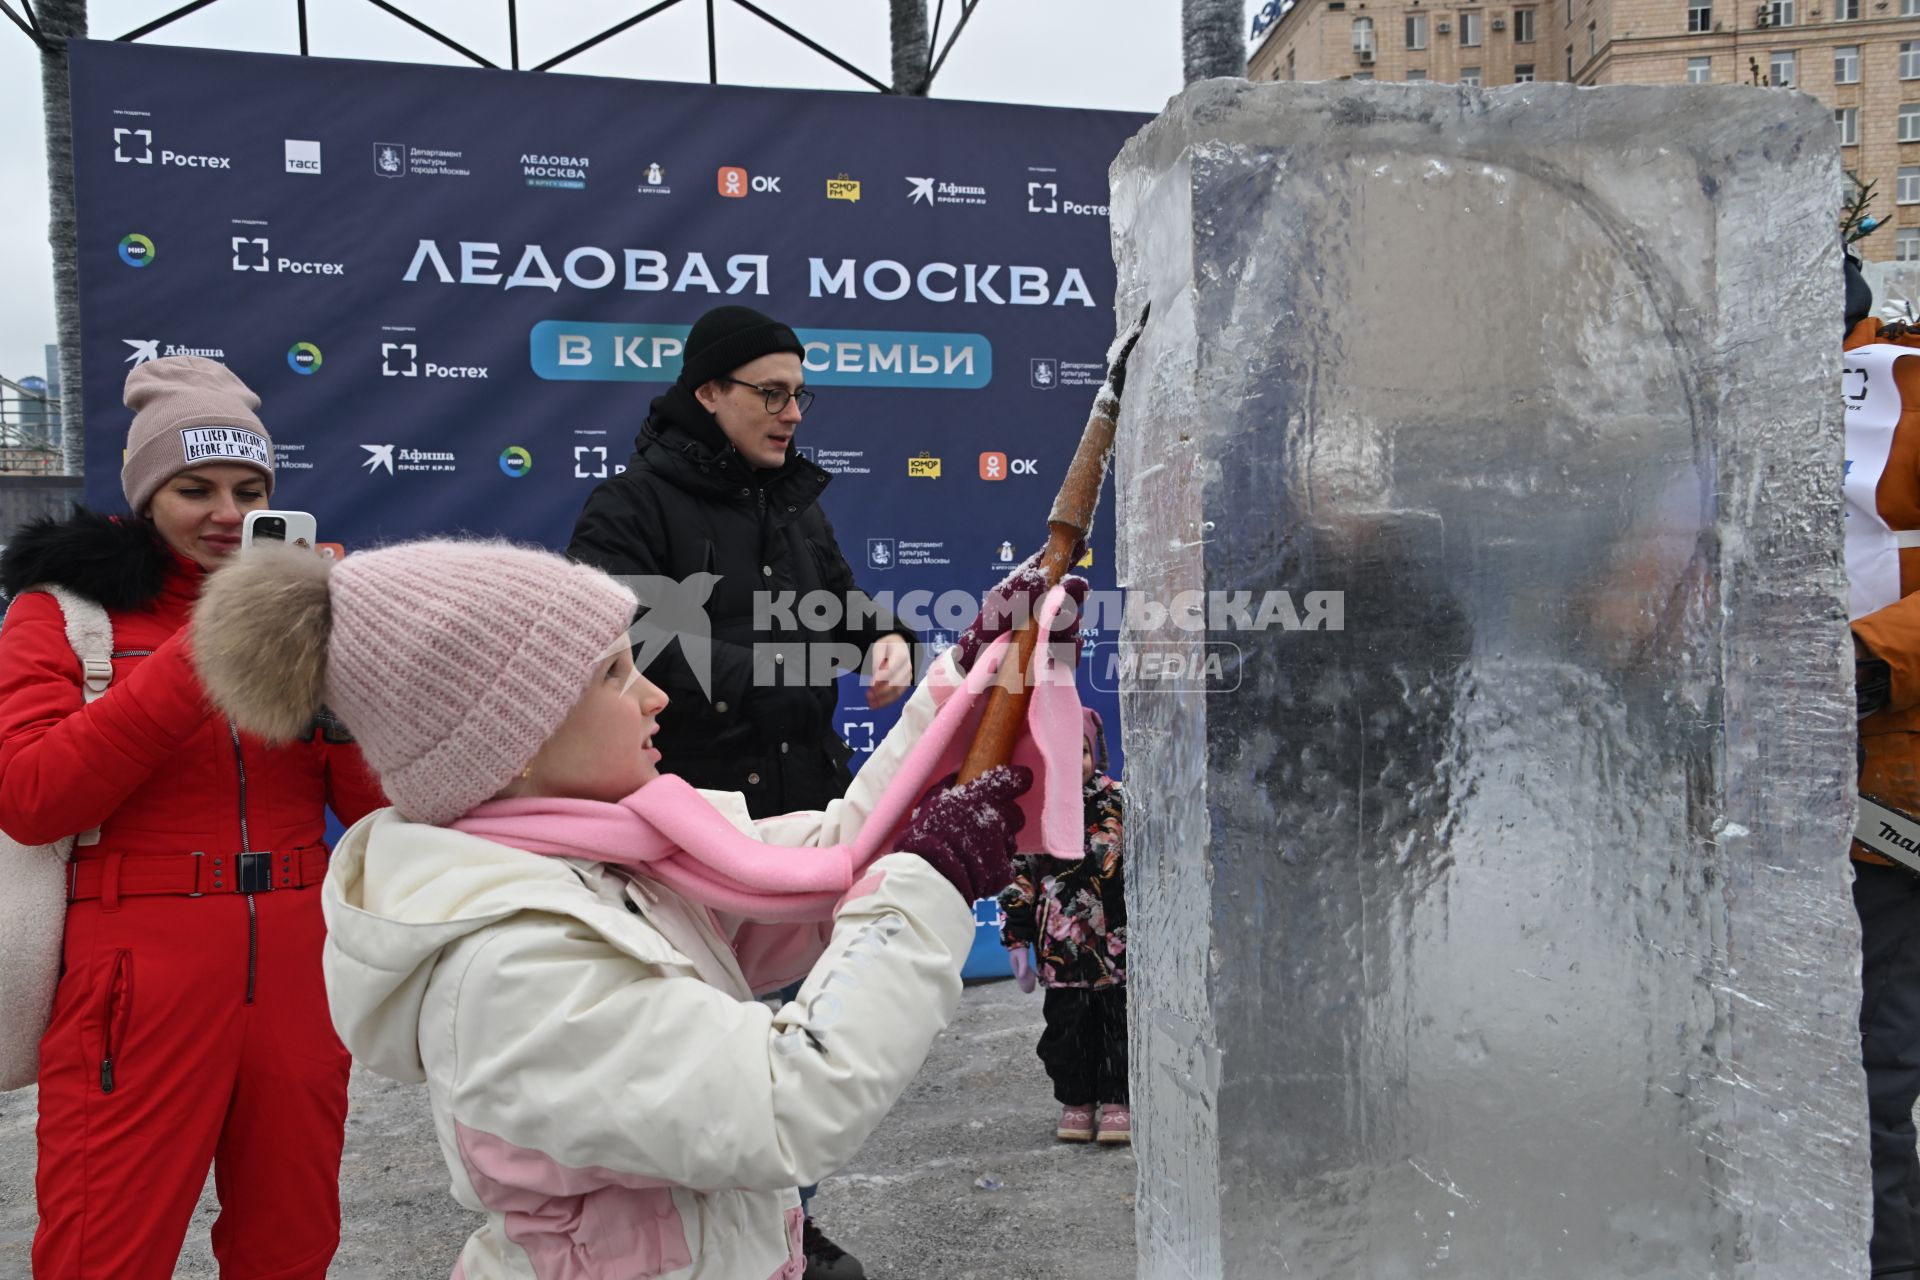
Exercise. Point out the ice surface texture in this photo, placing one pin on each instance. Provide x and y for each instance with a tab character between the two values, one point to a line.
1506	932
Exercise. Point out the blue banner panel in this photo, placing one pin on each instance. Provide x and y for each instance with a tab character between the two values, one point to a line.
456	291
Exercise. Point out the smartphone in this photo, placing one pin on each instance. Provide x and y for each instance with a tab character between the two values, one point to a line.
295	527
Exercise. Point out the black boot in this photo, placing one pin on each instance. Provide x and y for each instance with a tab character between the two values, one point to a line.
827	1260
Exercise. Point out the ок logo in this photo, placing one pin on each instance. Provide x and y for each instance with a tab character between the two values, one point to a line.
136	250
133	146
390	159
923	467
515	461
304	359
144	349
993	466
302	156
378	456
1043	197
734	183
250	253
399	360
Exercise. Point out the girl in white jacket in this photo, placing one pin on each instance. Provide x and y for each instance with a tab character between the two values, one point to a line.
565	945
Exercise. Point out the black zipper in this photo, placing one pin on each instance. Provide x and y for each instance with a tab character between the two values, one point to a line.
246	847
118	1010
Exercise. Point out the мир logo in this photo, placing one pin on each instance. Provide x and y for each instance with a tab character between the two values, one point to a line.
515	461
304	359
136	250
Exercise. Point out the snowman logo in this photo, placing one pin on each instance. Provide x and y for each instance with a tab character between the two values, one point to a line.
655	176
1006	552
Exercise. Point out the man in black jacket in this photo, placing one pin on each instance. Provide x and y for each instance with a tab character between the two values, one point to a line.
715	488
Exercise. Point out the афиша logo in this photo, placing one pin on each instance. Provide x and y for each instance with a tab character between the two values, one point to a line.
136	250
515	461
304	359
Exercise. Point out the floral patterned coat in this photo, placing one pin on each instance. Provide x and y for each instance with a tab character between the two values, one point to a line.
1075	913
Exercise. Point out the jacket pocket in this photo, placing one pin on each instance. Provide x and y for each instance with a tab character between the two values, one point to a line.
115	1015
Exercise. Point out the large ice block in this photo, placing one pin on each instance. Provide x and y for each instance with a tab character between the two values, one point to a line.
1504	933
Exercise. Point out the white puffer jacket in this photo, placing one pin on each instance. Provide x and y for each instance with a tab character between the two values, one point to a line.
605	1087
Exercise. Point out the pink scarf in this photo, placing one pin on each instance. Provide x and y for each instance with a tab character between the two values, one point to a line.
669	831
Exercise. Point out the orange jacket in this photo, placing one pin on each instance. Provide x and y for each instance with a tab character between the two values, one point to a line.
1890	738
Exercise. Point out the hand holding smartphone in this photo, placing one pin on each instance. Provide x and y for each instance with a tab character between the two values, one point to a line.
294	527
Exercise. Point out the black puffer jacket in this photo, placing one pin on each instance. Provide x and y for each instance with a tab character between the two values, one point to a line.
688	505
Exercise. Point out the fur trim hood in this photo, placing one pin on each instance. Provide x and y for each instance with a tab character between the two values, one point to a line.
118	562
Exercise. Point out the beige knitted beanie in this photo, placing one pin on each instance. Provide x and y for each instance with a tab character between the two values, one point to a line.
188	410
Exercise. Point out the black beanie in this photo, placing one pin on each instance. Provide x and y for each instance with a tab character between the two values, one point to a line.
1859	295
726	338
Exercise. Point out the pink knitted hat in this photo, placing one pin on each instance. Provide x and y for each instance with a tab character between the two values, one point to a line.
452	662
188	410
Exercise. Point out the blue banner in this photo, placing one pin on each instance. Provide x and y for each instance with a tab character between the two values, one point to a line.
456	290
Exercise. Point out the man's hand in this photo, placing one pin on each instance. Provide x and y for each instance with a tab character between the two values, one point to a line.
892	661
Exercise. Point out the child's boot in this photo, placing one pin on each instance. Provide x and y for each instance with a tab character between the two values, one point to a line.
1076	1124
1116	1123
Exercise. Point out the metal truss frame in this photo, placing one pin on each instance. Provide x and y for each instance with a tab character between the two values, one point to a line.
29	24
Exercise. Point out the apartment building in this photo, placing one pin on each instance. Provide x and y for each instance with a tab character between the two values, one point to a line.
1860	57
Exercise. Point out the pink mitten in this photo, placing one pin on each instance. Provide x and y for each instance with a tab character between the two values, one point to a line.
1022	968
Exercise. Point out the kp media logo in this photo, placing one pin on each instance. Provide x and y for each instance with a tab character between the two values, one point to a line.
133	146
515	461
304	359
136	250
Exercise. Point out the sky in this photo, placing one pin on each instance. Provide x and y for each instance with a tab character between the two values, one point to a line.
1125	56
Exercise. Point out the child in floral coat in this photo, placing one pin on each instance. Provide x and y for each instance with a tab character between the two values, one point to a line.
1074	915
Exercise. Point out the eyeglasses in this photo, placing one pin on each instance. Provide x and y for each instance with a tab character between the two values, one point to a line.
776	397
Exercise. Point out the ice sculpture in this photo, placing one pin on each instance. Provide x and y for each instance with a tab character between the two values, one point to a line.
1503	933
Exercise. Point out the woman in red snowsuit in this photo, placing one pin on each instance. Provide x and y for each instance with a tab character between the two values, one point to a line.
190	1024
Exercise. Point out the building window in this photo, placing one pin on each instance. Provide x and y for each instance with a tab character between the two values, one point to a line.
1910	59
1910	8
1416	31
1846	10
1523	73
1700	15
1780	13
1363	75
1593	40
1908	191
1363	37
1906	244
1846	64
1699	70
1290	54
1470	76
1782	68
1416	75
1569	62
1523	26
1469	29
1847	121
1910	122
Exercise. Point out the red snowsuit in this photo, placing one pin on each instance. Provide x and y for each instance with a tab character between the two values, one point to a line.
190	1024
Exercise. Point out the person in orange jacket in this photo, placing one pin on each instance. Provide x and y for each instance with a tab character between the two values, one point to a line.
190	1024
1882	395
